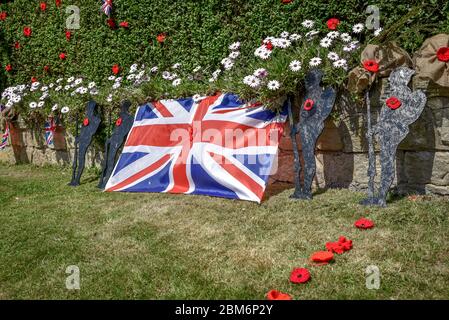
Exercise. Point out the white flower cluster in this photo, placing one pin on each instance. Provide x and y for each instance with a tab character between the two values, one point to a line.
229	62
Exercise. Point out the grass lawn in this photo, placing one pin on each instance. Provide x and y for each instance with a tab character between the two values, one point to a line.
159	246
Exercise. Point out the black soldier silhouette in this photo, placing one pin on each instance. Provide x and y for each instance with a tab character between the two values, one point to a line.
317	106
400	110
83	141
115	142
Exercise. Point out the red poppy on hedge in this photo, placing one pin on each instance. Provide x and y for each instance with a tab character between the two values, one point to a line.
43	6
333	23
33	79
287	1
46	68
300	275
364	223
443	54
161	37
118	123
322	257
124	24
371	65
269	45
62	56
393	103
111	23
308	104
3	15
8	67
115	69
85	122
68	35
58	3
27	31
277	295
17	45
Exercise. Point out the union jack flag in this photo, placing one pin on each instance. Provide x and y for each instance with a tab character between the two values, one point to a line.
50	128
5	136
107	7
220	147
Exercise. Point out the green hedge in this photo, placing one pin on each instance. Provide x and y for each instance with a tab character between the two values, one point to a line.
198	31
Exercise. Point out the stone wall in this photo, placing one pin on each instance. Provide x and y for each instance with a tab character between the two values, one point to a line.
342	160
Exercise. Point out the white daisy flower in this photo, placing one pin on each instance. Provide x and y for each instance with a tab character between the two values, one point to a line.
273	85
259	51
166	75
16	99
133	68
345	37
251	81
358	28
41	104
342	63
91	85
9	104
154	69
295	65
348	48
176	66
234	54
228	65
326	42
70	79
308	24
176	82
196	69
83	90
311	34
119	79
54	108
109	98
51	85
116	85
284	43
94	91
44	96
212	79
216	73
65	109
78	81
285	34
111	78
265	55
333	56
226	61
197	98
234	46
295	37
314	62
44	88
140	75
377	32
260	73
59	80
67	87
131	76
333	34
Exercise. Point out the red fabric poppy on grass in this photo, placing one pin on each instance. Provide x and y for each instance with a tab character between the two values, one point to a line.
62	56
118	123
85	122
68	35
300	275
332	24
43	6
364	223
3	15
124	24
308	104
115	69
8	67
371	65
339	247
443	54
27	31
277	295
393	103
161	37
322	257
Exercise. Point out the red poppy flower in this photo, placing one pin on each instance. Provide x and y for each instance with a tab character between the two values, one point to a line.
58	3
340	246
62	56
124	24
3	15
308	104
27	31
43	6
363	223
333	23
277	295
46	68
161	37
393	103
115	69
287	1
33	79
68	35
300	275
118	123
443	54
322	257
371	65
269	45
85	122
111	23
17	45
8	67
